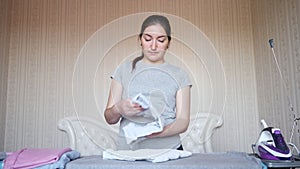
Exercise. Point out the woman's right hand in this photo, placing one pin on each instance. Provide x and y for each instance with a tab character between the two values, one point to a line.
127	108
117	107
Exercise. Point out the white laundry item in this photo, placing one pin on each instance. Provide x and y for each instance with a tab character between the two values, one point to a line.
133	131
148	121
141	100
153	104
152	155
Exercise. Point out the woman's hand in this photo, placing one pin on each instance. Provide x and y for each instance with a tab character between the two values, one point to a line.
177	127
117	107
128	108
122	108
158	134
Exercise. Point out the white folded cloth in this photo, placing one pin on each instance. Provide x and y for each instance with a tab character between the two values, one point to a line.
133	131
148	121
152	155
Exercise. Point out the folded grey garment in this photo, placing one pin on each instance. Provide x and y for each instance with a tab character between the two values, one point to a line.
156	107
2	155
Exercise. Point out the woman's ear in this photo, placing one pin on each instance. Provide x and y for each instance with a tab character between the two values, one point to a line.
168	46
139	40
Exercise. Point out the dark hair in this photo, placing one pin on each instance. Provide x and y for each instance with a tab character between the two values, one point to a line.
153	20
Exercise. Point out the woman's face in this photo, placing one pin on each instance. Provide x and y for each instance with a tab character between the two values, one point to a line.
154	44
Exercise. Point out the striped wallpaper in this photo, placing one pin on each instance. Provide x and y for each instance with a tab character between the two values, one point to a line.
41	40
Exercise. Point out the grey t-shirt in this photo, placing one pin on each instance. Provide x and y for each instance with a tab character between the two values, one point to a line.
159	83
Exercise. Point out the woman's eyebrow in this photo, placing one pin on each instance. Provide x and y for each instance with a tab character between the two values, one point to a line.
145	34
160	36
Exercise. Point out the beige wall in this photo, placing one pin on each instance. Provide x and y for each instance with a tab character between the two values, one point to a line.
46	37
5	7
279	20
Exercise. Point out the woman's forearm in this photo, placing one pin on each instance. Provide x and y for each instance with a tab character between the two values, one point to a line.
177	127
112	116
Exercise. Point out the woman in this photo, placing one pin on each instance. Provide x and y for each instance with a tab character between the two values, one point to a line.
165	87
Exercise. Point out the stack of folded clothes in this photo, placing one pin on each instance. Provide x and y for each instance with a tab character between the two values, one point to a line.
38	158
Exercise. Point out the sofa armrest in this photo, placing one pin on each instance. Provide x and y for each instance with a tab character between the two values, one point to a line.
197	138
88	136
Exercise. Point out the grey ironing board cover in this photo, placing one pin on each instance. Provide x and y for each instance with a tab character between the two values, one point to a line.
222	160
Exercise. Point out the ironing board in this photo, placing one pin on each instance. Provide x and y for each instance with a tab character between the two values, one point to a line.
281	164
226	160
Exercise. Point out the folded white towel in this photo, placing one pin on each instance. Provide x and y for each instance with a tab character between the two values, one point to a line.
152	155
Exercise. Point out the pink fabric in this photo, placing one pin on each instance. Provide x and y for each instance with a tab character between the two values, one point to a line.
30	158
